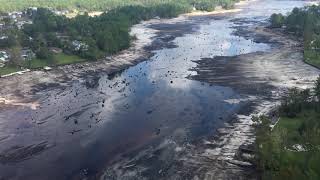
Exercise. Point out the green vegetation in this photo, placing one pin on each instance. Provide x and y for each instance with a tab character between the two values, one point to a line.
277	20
103	5
8	70
292	149
79	38
312	57
57	59
304	23
89	37
56	40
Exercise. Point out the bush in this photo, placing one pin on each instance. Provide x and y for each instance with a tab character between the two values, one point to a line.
277	20
293	103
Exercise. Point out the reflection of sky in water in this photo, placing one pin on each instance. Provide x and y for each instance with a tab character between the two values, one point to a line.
213	39
261	10
149	95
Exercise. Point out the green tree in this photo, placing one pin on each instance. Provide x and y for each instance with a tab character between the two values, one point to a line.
317	89
277	20
15	56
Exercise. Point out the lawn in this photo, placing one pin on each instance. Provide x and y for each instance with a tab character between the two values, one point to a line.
8	69
312	57
58	59
63	59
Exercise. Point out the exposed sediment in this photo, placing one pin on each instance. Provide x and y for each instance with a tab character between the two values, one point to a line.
151	122
261	77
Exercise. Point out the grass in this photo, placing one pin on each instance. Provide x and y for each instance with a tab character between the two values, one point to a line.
290	126
285	163
8	69
312	57
63	59
58	59
36	63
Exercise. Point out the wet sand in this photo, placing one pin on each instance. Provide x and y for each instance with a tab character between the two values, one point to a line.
182	114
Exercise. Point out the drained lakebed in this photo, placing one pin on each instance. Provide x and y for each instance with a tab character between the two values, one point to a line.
181	113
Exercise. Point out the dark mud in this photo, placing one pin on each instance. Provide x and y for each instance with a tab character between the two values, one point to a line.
227	71
167	32
182	114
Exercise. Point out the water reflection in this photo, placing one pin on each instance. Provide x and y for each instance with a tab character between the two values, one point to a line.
84	127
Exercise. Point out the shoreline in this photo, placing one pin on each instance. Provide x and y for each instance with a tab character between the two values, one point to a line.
227	154
219	153
19	87
240	133
218	10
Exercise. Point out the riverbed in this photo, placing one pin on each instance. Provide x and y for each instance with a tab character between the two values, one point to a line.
180	113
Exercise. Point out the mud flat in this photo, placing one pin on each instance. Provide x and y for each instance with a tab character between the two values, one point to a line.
23	88
182	114
261	78
264	76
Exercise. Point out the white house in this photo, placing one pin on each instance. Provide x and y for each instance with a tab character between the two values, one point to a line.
4	57
27	54
78	45
20	24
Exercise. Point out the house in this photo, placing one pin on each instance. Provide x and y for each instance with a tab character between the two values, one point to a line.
20	24
14	15
27	54
78	45
60	13
4	58
55	50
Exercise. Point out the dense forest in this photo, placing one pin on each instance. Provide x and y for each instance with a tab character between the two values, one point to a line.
304	23
85	36
100	35
103	5
291	150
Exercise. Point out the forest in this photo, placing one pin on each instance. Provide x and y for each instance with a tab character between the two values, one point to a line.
303	23
104	5
96	36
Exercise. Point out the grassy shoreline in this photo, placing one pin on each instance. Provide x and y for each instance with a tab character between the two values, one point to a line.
312	58
57	60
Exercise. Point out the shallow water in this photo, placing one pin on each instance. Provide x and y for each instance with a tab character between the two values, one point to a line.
77	131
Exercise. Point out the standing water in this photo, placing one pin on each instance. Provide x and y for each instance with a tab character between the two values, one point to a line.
79	131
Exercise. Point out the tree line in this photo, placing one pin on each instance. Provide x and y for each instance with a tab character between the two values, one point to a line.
96	36
304	23
103	5
89	37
